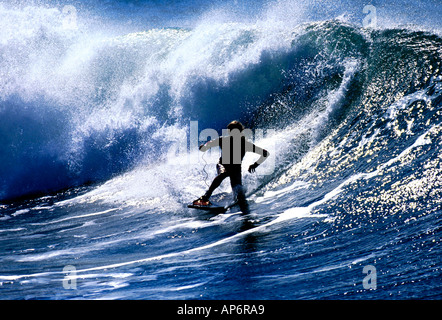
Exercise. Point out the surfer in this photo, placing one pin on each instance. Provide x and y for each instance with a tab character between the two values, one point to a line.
233	148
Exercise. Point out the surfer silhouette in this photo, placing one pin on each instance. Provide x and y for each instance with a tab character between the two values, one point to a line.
233	148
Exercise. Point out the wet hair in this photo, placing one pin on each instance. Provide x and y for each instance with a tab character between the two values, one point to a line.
235	125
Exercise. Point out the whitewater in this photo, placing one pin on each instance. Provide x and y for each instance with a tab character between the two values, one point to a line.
102	109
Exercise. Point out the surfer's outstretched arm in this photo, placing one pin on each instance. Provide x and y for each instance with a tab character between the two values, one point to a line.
210	144
264	154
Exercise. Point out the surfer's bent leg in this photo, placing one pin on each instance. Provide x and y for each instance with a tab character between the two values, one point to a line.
238	190
222	174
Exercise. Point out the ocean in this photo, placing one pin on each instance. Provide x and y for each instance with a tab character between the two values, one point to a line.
103	106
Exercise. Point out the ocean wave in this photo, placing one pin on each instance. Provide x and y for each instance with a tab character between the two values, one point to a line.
80	107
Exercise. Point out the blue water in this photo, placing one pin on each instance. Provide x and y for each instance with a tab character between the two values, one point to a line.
98	103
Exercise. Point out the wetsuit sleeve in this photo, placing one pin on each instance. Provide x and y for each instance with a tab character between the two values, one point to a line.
210	144
262	152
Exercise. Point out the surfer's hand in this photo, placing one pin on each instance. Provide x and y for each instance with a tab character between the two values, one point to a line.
201	146
253	167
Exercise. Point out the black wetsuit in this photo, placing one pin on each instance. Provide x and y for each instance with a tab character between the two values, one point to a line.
233	149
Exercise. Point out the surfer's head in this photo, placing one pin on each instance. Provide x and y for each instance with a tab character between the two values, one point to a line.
235	125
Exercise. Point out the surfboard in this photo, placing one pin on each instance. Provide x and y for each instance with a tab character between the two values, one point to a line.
212	207
219	203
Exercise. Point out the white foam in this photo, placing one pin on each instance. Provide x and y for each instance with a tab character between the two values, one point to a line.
84	216
271	195
12	230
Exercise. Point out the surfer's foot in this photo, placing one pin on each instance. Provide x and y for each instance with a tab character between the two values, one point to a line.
202	201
